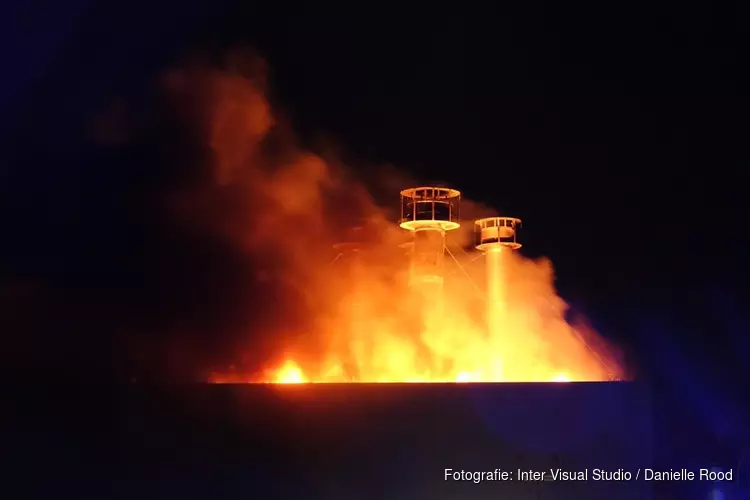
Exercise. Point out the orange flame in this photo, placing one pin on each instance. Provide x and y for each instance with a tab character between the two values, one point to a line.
358	317
289	373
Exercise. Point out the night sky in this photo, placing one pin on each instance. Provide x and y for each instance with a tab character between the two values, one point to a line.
618	134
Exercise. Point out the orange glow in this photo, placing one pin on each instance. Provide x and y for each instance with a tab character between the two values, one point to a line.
289	373
357	315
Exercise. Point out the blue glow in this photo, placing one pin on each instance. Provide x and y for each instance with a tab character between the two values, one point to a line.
693	388
589	413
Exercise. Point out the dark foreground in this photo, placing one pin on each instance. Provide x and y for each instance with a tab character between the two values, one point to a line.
348	442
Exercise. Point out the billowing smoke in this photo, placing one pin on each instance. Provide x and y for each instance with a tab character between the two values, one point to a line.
342	311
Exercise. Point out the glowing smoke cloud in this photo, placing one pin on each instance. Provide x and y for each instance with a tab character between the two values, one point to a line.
291	206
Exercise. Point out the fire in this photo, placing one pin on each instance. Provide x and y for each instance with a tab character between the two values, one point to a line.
289	373
356	315
499	337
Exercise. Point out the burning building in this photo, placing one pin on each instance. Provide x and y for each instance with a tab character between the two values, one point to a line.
377	296
428	333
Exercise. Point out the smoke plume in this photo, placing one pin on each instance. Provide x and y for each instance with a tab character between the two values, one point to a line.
340	314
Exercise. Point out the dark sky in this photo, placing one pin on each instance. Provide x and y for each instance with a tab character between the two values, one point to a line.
617	133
